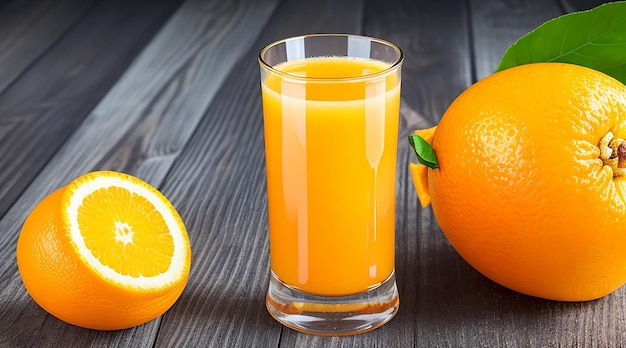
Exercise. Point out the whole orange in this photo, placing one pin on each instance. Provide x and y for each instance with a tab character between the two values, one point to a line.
108	251
530	189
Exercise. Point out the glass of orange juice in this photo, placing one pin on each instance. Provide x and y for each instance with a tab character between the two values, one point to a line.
331	106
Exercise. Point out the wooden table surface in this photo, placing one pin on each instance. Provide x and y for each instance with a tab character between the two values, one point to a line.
169	91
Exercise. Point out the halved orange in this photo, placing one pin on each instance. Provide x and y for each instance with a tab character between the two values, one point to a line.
108	251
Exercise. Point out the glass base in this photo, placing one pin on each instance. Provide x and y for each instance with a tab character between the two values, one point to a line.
332	315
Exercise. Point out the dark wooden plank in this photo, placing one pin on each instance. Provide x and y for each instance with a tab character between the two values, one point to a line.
580	5
225	207
433	35
36	118
28	28
144	122
498	24
140	127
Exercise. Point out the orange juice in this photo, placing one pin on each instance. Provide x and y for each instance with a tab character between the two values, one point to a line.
331	171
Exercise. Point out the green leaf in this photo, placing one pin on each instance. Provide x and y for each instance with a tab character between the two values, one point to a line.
423	150
594	38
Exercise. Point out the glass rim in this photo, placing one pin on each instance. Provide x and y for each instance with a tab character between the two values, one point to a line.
392	67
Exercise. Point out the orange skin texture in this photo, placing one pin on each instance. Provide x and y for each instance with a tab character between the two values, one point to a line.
62	284
521	192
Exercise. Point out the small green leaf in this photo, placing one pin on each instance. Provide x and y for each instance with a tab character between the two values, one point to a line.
594	38
423	150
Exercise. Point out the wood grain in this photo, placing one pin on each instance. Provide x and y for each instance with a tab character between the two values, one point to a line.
37	118
580	5
148	115
170	92
28	28
437	68
498	24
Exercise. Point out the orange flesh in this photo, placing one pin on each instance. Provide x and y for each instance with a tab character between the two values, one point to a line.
125	238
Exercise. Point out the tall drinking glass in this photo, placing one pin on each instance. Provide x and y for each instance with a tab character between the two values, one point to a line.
331	108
